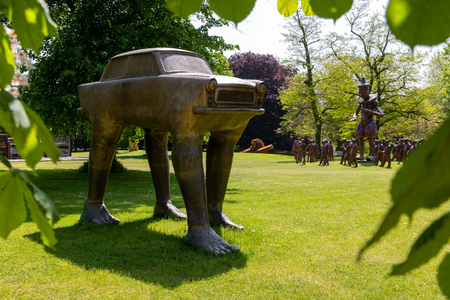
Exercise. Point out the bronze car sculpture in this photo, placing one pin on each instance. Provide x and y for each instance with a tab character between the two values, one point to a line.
167	90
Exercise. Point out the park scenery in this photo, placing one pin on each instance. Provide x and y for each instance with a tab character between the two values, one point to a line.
144	156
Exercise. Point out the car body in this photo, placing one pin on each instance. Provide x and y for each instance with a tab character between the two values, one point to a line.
167	89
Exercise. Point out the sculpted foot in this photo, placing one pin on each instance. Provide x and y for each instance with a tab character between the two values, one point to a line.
97	213
218	218
168	210
207	239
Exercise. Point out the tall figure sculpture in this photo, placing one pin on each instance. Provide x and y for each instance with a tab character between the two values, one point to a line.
170	90
367	128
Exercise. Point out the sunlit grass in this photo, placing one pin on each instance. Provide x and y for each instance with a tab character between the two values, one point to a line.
304	225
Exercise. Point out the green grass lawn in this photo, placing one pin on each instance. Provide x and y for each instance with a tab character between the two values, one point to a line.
304	225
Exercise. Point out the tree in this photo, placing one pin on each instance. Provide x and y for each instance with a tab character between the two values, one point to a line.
371	51
440	65
310	97
84	46
266	68
320	110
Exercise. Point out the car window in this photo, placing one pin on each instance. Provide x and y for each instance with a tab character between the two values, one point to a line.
117	68
184	63
142	64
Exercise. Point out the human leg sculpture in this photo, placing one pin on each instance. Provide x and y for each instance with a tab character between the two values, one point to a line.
371	148
187	162
158	160
104	138
361	147
219	158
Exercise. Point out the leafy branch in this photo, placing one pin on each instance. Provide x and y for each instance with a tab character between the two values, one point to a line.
31	21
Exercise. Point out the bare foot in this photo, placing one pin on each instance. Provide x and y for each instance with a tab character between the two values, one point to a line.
168	210
207	239
97	213
218	218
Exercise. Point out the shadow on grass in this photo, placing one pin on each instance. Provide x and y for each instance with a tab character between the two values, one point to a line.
68	190
125	156
366	164
134	250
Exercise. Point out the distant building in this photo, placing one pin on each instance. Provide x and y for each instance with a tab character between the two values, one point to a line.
8	147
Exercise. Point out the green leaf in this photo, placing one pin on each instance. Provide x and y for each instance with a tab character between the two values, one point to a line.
421	183
12	207
419	22
287	7
5	161
183	8
47	139
233	10
31	22
47	233
6	59
19	115
426	246
5	7
443	276
26	176
14	113
331	9
25	127
45	202
307	9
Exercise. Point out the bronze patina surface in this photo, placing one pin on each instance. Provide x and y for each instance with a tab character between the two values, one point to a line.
169	90
367	128
258	146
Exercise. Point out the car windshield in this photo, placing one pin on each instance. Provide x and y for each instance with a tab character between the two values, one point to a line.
184	63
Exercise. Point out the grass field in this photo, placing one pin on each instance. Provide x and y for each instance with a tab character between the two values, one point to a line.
304	225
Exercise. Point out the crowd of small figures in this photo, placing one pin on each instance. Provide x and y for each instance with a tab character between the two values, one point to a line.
383	152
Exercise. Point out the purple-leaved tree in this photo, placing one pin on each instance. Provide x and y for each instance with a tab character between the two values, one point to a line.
264	67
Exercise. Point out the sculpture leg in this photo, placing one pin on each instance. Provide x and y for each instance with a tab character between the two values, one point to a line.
371	148
104	138
382	161
219	159
158	160
361	148
187	162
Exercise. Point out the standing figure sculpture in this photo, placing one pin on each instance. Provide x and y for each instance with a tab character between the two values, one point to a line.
324	154
296	151
311	151
387	155
401	151
330	151
344	150
395	151
351	153
367	128
303	150
316	151
346	156
411	148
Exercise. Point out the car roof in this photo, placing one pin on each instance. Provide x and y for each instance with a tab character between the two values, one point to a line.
161	50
